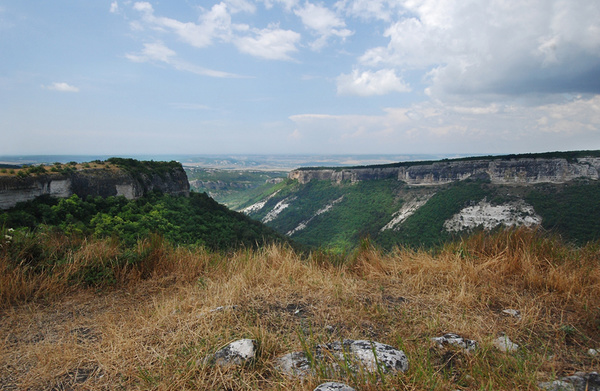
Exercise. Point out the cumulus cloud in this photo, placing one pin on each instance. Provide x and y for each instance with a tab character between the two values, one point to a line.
323	22
370	83
507	47
214	23
271	43
62	87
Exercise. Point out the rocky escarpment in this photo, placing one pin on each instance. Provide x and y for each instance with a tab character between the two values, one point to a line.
101	182
498	171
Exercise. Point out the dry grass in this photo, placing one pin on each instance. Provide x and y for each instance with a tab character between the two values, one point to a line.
153	329
48	168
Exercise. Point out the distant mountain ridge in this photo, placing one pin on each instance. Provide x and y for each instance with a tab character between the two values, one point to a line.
510	169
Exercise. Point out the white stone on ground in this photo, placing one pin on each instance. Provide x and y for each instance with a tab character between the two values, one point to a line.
511	312
370	355
455	340
334	386
504	344
236	353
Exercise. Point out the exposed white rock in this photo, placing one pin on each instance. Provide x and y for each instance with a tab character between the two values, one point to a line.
293	364
504	344
580	381
334	386
513	313
490	216
126	190
281	205
305	223
593	352
369	355
407	210
223	308
455	340
236	353
375	356
557	385
259	205
300	227
33	188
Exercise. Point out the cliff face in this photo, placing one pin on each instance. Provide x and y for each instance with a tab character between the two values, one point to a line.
94	182
512	171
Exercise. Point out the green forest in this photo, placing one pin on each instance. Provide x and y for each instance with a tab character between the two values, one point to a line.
195	220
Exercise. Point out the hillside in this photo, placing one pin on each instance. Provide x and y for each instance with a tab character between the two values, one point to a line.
526	305
428	203
194	220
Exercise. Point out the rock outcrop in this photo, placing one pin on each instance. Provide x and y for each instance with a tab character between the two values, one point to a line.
498	171
94	182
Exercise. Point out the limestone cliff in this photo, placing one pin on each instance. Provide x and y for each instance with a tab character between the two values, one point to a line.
497	170
102	182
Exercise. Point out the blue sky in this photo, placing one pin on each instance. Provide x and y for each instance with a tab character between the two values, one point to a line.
299	76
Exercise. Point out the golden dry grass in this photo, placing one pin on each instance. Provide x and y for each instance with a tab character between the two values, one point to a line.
154	328
48	168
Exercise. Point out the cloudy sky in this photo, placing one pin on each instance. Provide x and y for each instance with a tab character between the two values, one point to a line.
299	76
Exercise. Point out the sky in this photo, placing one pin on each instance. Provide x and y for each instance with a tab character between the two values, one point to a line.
299	76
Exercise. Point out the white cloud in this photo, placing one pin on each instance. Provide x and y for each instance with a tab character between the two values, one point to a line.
271	43
506	47
323	22
158	52
198	70
114	7
62	87
240	6
370	83
287	4
215	23
370	9
432	127
143	6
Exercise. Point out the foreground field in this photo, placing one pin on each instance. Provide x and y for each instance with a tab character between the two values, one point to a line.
153	322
